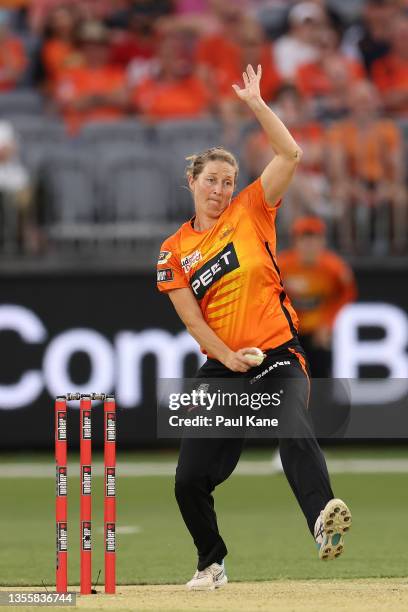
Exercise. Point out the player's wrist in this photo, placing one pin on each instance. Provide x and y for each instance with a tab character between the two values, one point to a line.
256	103
226	356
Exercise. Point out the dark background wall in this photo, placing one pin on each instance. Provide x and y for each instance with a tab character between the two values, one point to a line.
95	311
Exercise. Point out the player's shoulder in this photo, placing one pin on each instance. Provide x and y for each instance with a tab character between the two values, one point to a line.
333	261
173	241
254	188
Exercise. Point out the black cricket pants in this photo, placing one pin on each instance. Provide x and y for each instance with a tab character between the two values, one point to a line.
205	463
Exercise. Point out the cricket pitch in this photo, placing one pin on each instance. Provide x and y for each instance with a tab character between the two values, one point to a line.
371	595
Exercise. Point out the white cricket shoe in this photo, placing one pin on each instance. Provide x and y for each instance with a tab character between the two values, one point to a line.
331	524
211	578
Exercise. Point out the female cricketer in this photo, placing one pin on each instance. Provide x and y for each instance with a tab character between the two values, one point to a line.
220	272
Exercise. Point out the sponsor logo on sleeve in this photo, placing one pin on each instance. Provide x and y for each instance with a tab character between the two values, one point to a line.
190	261
215	268
164	276
164	257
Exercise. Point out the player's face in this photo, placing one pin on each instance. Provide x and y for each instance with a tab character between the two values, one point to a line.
213	188
310	246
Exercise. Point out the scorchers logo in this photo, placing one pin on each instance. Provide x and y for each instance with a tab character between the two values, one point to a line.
164	257
214	269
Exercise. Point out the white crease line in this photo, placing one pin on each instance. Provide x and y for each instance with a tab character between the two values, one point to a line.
245	468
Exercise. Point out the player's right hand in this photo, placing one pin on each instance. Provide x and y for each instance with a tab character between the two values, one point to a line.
237	361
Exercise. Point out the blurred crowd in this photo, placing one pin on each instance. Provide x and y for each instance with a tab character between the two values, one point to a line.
339	81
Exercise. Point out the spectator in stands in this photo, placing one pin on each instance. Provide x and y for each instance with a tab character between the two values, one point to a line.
96	90
187	7
251	48
13	60
217	50
298	46
366	167
15	195
254	50
123	12
175	91
308	192
390	73
319	284
90	10
369	40
138	41
325	81
59	51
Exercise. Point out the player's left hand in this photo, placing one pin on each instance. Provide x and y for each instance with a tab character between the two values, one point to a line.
251	91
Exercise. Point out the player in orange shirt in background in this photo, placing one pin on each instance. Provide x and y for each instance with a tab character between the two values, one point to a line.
220	272
319	283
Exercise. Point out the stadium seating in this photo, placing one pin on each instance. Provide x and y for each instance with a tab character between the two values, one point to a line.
204	131
180	139
20	102
69	186
134	185
126	131
38	135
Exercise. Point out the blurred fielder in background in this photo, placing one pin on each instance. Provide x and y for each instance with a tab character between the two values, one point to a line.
319	283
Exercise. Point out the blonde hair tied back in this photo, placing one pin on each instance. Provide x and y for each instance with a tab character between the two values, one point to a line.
199	160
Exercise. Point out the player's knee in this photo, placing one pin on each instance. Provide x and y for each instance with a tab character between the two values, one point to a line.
189	485
184	485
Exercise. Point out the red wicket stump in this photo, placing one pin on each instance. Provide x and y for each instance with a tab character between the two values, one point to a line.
61	493
110	494
61	439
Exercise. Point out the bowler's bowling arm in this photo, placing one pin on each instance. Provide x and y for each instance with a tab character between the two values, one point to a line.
189	312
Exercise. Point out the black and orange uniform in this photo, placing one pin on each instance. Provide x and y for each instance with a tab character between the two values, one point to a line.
232	271
318	291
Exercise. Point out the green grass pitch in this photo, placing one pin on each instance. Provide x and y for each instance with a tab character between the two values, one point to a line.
258	516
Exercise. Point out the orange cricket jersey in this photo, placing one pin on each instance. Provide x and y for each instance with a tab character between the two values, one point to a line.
319	290
231	269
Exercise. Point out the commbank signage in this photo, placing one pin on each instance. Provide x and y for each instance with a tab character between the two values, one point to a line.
118	334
